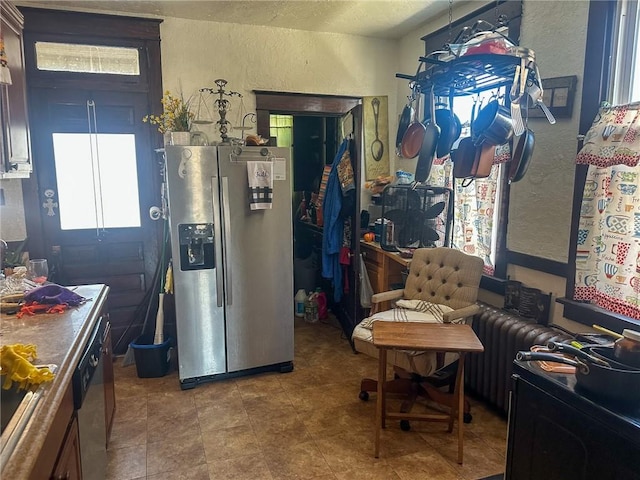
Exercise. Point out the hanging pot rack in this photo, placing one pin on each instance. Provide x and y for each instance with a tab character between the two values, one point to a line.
468	75
451	74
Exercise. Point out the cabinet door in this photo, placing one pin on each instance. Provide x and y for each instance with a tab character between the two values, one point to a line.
15	148
68	466
552	440
109	386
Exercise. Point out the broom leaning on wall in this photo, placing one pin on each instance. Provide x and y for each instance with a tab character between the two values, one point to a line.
159	284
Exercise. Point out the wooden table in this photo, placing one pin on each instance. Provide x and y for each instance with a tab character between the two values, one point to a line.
423	337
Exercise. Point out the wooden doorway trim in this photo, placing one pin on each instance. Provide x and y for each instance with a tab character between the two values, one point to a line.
309	104
348	310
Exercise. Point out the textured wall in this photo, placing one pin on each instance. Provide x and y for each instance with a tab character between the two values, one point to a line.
540	204
195	53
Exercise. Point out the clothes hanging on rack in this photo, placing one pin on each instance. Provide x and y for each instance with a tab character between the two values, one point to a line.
332	233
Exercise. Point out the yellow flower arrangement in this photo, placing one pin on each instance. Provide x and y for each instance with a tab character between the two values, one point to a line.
175	117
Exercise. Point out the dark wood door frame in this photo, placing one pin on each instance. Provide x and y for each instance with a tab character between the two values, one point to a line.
94	29
75	27
267	103
299	103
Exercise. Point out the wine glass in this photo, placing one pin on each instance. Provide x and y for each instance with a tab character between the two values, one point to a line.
38	270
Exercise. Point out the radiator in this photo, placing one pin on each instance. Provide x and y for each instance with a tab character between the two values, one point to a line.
488	374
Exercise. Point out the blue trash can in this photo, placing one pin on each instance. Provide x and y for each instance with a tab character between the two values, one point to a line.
152	361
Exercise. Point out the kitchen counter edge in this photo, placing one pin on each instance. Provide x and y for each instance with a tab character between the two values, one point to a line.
27	450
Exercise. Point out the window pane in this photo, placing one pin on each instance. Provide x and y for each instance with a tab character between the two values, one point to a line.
97	180
66	57
625	71
281	127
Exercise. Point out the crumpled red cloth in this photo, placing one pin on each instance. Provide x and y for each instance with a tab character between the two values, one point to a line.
34	308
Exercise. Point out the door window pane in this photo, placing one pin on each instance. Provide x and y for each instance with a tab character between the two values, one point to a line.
97	180
69	57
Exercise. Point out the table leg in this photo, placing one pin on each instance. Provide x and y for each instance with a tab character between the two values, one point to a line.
380	404
460	391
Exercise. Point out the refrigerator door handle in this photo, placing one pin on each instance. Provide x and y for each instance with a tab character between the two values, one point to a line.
218	240
227	236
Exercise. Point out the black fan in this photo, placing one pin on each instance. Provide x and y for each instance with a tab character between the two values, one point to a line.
413	226
421	215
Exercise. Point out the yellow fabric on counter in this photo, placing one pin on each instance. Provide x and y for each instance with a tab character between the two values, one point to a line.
15	361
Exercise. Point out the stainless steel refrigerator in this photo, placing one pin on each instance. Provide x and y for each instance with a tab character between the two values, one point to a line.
232	266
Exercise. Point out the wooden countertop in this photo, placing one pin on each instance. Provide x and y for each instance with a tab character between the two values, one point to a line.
405	262
59	339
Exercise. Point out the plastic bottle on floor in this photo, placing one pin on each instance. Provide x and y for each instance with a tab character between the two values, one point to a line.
311	309
299	302
321	298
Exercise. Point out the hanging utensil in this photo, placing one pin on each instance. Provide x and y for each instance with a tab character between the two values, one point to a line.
429	143
412	138
450	127
522	152
535	94
377	148
466	157
405	119
515	96
493	125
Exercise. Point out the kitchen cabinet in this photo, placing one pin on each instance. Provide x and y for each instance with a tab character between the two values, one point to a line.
15	147
557	433
384	268
58	454
68	466
109	383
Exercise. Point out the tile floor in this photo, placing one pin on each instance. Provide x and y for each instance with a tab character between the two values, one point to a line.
307	424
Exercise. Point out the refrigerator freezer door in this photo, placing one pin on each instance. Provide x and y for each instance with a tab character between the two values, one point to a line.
259	262
192	186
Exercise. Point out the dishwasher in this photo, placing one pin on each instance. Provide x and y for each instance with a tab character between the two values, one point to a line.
89	402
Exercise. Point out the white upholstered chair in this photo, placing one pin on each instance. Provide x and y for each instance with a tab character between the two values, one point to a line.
442	286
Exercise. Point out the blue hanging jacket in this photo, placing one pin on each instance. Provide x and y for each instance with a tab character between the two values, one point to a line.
333	227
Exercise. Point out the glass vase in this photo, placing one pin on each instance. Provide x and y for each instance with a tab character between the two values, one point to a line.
177	138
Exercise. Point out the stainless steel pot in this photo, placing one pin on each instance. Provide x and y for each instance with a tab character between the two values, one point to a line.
492	125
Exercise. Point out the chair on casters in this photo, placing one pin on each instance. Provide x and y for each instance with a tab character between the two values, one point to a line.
442	286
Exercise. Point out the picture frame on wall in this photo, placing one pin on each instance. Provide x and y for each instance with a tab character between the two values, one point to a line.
376	136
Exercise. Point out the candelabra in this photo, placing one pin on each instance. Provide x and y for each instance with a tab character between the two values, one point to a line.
222	104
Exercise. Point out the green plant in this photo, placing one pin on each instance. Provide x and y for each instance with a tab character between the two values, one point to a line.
175	117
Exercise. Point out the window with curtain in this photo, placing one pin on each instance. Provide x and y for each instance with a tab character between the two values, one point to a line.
607	259
476	212
479	225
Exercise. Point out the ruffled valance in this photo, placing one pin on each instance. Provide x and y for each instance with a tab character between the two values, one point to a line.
614	138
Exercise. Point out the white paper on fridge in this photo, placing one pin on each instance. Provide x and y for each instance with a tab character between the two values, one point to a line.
260	176
279	169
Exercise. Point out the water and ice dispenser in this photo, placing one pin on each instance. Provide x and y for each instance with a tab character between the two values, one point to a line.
196	246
